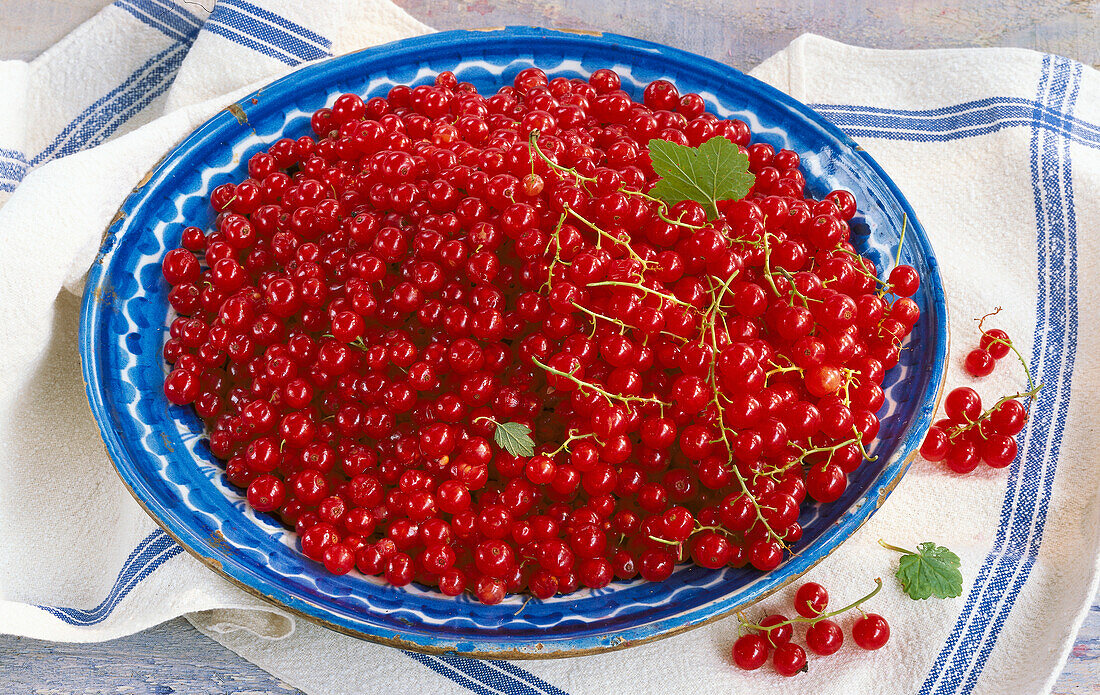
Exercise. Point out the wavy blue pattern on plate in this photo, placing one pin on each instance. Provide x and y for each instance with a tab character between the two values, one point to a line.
159	448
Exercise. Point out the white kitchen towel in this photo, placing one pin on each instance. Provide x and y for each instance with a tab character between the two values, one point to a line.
998	150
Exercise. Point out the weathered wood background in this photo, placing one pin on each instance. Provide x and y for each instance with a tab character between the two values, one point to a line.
174	658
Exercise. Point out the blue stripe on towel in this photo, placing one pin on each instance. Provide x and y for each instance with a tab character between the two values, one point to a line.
486	677
13	167
281	22
164	16
266	33
97	122
969	119
156	549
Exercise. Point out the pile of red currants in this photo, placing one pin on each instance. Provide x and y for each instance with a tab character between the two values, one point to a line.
453	339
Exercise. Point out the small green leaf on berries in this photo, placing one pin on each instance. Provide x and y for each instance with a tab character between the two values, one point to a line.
515	438
931	571
713	171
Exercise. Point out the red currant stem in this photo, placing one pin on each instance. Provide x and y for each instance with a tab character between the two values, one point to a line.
862	270
525	602
557	253
1031	387
598	315
736	471
768	263
956	431
981	321
715	309
614	239
643	288
712	377
777	369
773	472
848	378
859	443
699	528
901	239
534	139
661	213
606	394
663	540
573	437
896	549
662	210
754	243
717	294
756	506
794	291
799	619
822	449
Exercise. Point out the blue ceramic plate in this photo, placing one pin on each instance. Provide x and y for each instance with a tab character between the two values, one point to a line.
159	450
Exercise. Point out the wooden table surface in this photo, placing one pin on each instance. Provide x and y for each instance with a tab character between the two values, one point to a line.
174	657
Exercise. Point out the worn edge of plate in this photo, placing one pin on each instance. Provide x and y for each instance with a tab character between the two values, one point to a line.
504	654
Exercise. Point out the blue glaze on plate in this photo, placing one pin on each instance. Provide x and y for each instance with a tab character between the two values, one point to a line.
159	450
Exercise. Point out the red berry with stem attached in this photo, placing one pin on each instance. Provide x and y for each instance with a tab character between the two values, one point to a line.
1009	417
962	404
979	362
998	450
811	600
776	635
871	631
996	342
824	637
904	281
936	444
750	652
789	659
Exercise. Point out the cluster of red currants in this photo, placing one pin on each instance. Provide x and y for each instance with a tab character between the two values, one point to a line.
994	345
969	435
773	635
382	304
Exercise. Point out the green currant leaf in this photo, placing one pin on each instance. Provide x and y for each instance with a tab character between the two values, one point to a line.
713	171
931	571
515	438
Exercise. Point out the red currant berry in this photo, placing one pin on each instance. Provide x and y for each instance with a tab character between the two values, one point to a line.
750	652
824	637
811	599
979	362
789	659
871	631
